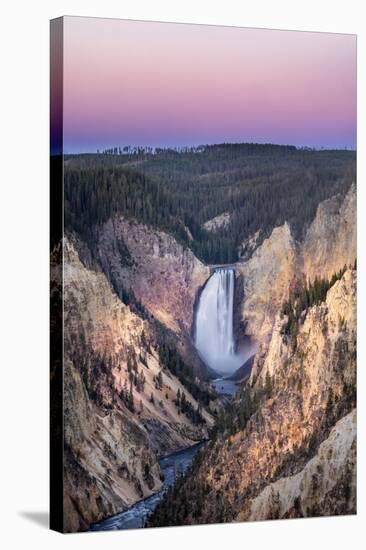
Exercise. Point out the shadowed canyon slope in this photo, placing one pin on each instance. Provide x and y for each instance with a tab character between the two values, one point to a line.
120	413
163	275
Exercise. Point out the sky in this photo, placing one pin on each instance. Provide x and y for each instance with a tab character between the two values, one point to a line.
166	84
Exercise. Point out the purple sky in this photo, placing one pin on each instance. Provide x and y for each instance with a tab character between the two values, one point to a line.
165	84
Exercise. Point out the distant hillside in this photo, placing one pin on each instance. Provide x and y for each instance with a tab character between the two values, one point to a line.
258	186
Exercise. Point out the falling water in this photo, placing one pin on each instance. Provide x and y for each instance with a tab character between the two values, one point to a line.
214	323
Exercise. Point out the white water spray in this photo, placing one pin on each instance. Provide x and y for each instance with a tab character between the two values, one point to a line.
214	323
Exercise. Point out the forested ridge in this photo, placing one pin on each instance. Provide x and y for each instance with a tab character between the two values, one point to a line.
260	186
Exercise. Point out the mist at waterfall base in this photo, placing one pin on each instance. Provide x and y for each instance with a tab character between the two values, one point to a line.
214	337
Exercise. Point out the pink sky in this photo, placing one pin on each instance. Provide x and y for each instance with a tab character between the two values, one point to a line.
144	83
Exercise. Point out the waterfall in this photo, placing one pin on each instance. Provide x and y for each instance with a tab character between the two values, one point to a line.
214	338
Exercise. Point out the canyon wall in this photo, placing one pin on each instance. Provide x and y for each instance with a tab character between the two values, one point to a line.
330	241
329	244
319	382
119	404
266	280
325	486
164	275
319	377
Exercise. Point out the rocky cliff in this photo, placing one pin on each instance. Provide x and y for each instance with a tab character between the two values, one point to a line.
266	280
163	275
325	486
119	404
310	436
330	241
329	244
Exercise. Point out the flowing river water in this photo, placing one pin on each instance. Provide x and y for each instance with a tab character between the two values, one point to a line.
171	466
225	386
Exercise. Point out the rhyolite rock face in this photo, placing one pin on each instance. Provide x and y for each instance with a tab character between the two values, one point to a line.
266	278
311	412
248	247
163	275
330	241
325	486
329	244
319	382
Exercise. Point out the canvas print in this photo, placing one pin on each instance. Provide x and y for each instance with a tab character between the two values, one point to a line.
203	274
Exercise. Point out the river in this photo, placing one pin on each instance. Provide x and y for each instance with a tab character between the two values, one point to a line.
172	466
224	386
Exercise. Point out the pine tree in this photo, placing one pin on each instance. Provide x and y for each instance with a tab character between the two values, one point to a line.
131	399
160	380
268	384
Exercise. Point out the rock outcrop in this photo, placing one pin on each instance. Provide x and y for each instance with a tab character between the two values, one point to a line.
266	279
313	387
330	241
163	275
218	222
248	247
329	244
325	486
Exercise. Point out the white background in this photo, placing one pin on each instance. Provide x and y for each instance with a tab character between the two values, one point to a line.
24	273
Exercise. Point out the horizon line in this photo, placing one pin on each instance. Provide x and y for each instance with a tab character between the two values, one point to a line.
182	148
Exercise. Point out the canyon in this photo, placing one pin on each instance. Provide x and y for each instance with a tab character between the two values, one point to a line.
293	455
134	291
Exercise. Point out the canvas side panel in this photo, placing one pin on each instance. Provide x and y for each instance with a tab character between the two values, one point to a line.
56	274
